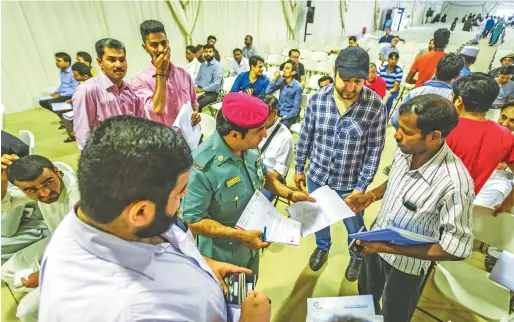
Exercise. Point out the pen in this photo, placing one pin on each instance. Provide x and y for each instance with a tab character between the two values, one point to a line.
264	237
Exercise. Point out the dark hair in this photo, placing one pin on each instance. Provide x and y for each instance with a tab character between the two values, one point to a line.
191	49
109	43
449	67
478	91
208	46
271	101
468	59
254	60
199	47
441	38
85	56
249	36
435	113
396	36
64	56
82	69
127	159
28	168
212	37
506	70
150	27
394	54
291	51
224	126
353	38
289	61
325	78
237	50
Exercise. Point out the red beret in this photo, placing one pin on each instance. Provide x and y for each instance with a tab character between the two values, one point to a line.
244	110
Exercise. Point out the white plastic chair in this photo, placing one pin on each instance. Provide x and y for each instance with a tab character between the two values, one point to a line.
305	53
227	83
291	44
319	56
270	73
208	125
326	67
312	83
310	65
274	59
28	138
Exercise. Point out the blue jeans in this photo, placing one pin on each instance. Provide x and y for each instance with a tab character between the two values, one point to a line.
268	194
389	103
353	224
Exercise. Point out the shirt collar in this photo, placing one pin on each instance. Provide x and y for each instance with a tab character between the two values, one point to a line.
136	256
222	149
213	61
107	83
67	71
428	170
437	84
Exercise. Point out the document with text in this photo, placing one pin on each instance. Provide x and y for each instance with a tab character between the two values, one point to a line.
191	133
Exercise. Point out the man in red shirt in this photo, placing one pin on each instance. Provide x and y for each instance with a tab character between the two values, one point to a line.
375	82
426	64
480	144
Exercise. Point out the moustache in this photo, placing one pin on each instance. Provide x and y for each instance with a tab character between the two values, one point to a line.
119	70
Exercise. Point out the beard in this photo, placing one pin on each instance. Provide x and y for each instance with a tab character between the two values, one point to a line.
209	58
160	224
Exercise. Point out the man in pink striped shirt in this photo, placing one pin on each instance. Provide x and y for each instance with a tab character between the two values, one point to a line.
106	95
162	86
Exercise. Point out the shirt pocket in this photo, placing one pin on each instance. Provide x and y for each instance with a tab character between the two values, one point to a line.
232	199
350	130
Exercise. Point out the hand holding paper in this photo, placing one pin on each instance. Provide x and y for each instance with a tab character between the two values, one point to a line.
191	133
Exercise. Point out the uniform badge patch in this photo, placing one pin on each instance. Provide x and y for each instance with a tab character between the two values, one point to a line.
233	181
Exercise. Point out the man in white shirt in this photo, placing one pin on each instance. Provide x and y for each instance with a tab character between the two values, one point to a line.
239	64
365	35
193	65
54	186
277	148
123	254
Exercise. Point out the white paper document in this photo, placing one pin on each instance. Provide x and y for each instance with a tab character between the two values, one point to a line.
328	209
322	316
235	312
358	304
23	273
260	213
191	133
43	98
63	106
503	271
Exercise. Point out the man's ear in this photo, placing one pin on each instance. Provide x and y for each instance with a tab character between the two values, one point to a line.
140	214
58	172
436	136
99	62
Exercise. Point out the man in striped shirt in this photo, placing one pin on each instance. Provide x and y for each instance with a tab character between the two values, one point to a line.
392	74
429	192
342	134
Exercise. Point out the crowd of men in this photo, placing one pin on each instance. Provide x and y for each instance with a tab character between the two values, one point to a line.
112	229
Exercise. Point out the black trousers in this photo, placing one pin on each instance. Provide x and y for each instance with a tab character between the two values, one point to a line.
48	103
399	291
207	98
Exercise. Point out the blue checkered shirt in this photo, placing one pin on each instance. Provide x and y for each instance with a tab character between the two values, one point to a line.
343	151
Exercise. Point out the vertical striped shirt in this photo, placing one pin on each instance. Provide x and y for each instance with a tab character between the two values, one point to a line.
442	191
395	76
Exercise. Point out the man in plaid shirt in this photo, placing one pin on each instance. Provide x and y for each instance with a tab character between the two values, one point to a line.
343	136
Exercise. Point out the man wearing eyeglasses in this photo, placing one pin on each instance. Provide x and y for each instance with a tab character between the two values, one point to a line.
163	87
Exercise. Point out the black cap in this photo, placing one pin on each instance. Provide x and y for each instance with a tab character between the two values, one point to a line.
353	62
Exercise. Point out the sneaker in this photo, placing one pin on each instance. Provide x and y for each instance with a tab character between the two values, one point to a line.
318	259
352	271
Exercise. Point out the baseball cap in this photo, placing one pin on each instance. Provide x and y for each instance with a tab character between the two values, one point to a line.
353	62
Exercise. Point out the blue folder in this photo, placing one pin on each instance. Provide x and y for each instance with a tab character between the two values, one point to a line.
396	236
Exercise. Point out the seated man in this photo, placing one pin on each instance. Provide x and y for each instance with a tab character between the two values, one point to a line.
469	53
199	53
387	37
249	49
375	82
68	83
383	55
506	94
212	40
126	245
209	79
278	148
393	75
427	50
481	144
352	41
290	94
239	64
252	82
325	80
54	187
294	56
506	60
83	57
193	65
365	35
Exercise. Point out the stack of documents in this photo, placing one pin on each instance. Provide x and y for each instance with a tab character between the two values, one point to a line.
329	309
191	133
63	106
396	236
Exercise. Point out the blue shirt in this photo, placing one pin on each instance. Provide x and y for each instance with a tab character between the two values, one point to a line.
386	50
343	150
386	39
395	76
68	83
465	71
429	87
89	275
242	83
506	93
210	76
249	52
290	97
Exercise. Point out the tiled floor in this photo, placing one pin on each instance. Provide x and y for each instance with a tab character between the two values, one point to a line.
285	276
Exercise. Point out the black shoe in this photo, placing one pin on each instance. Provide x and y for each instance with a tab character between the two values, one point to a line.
61	126
318	259
70	139
352	271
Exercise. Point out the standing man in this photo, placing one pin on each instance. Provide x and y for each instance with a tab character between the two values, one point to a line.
106	95
193	65
365	35
68	83
342	135
294	56
429	192
249	49
212	40
506	60
252	82
290	93
163	87
352	41
209	79
124	242
425	65
392	75
388	49
469	53
506	94
240	64
227	170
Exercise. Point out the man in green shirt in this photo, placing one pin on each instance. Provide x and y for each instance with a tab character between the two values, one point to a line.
226	172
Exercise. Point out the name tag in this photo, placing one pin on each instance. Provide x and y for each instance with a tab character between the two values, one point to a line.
233	181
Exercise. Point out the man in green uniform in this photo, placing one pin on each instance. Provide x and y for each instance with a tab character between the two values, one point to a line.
226	172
